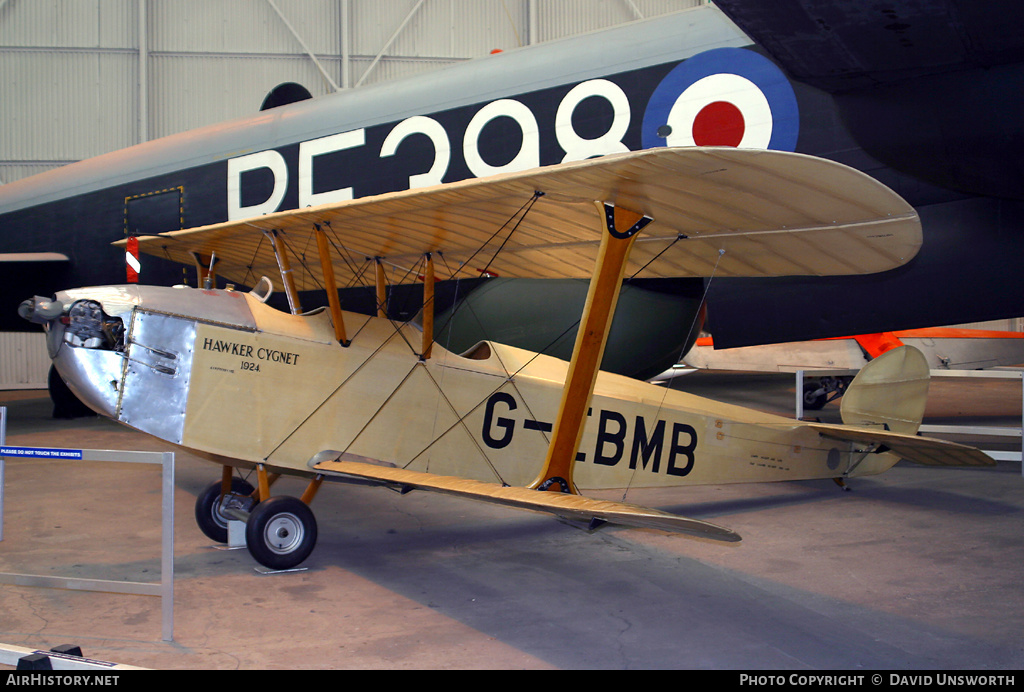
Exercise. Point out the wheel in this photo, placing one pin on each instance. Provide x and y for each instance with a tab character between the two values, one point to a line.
208	505
815	396
281	532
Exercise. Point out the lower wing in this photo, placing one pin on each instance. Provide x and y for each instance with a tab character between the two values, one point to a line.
558	503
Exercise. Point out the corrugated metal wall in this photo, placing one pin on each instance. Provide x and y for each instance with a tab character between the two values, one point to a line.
24	363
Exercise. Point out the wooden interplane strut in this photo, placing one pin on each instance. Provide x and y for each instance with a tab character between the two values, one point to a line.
330	285
591	339
381	282
428	307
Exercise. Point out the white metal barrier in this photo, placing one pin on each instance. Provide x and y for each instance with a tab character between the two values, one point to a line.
165	589
56	659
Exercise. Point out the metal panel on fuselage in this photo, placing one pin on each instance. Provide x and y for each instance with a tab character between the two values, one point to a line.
155	381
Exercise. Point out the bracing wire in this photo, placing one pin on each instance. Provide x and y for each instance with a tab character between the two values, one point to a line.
689	335
360	271
249	273
301	258
521	213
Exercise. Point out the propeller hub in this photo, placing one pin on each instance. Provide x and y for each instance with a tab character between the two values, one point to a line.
39	310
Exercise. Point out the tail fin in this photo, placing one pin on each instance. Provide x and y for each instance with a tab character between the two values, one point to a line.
889	392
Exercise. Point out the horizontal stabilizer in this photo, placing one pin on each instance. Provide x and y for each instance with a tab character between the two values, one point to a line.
920	450
565	505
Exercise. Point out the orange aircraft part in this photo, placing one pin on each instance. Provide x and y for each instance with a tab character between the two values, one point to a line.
877	344
957	333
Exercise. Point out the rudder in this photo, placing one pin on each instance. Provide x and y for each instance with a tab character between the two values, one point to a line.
890	392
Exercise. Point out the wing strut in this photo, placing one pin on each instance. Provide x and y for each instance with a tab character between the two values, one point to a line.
284	265
327	267
381	281
591	338
428	307
205	276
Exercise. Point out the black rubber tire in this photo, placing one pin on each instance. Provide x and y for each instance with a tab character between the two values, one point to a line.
281	532
814	403
211	522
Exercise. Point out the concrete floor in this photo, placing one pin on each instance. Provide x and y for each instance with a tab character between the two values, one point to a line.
919	568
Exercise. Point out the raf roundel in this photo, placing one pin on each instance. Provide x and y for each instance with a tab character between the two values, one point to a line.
728	97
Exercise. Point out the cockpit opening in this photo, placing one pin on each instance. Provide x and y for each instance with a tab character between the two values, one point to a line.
87	326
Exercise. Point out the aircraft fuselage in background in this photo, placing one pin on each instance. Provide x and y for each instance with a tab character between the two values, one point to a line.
692	77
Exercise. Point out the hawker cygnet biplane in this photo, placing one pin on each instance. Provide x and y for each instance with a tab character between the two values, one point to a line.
333	395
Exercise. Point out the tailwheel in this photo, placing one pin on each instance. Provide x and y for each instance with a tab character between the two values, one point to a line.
281	532
815	396
824	390
210	507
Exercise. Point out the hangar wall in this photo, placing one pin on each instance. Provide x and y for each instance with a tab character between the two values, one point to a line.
79	78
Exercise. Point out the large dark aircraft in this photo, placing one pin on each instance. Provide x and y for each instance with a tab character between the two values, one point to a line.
923	95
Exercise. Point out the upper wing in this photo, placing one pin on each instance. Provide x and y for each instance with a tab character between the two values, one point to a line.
729	212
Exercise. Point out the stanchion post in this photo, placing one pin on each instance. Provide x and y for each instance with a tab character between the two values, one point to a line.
799	394
167	547
3	441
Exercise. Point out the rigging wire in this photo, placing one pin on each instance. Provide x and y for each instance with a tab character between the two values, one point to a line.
629	279
509	377
356	269
523	211
301	258
460	420
249	273
689	334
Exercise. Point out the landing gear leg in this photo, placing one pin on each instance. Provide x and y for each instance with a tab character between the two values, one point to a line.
822	390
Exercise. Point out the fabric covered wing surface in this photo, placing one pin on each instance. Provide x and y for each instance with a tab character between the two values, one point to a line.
721	211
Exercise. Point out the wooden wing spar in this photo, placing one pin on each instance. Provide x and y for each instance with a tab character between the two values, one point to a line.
726	212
